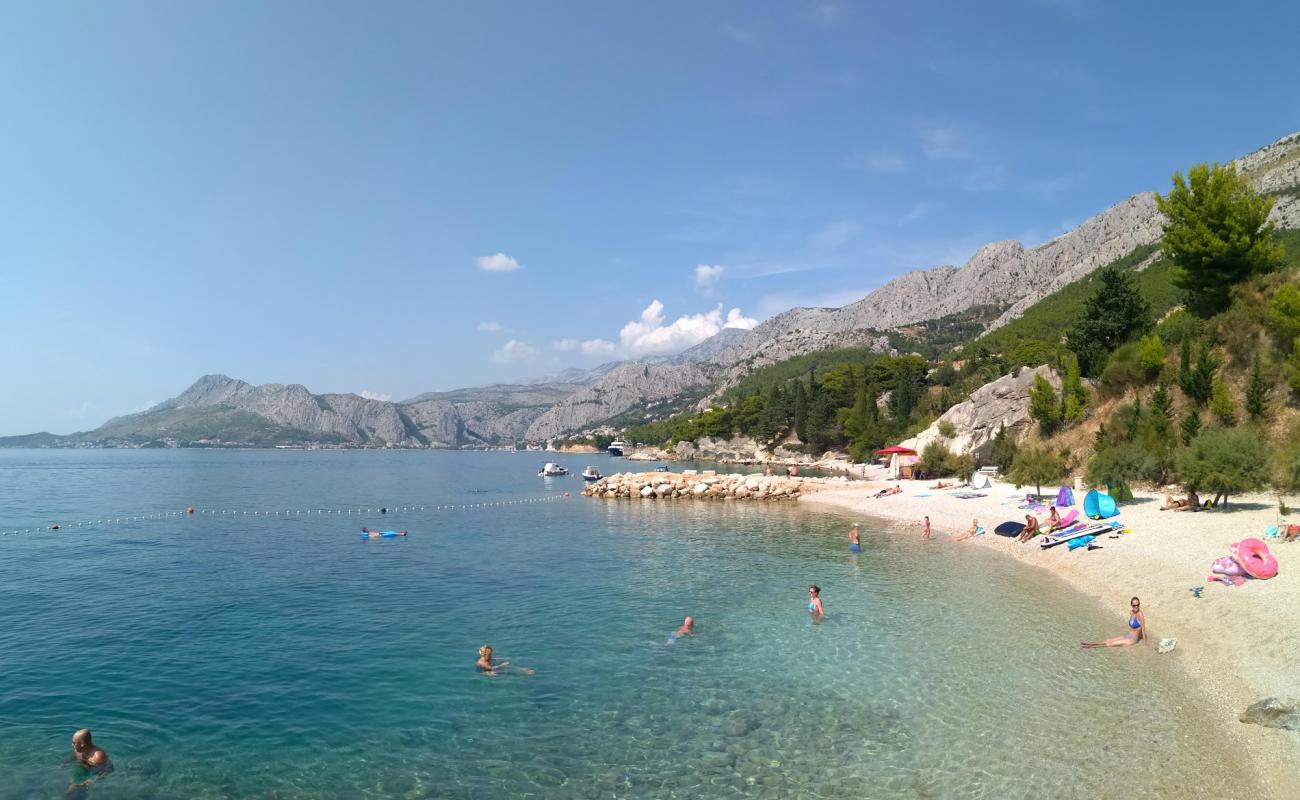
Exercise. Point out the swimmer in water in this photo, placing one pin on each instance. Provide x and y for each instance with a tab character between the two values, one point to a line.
92	763
815	602
487	666
378	534
1137	633
855	539
687	629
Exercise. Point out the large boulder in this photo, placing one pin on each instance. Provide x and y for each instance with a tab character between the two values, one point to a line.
976	420
1274	712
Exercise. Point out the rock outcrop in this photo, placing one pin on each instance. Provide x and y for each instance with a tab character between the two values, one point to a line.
704	486
649	388
1274	712
976	420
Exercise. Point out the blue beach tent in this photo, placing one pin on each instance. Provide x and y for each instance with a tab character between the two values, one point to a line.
1065	497
1099	506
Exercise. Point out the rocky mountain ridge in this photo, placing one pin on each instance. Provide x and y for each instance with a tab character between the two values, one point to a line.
1003	274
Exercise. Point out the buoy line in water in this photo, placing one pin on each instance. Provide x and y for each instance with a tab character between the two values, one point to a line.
195	511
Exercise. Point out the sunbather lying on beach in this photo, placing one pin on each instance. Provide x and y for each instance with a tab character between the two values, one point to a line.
889	491
942	485
1192	503
1031	529
969	532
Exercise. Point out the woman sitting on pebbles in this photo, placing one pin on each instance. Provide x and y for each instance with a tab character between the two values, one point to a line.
969	532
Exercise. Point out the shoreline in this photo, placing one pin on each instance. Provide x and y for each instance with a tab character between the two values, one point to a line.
1236	645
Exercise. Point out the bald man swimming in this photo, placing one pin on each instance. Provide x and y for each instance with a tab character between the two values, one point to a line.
92	762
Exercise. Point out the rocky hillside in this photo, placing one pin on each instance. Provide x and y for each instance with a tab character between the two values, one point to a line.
1001	275
218	411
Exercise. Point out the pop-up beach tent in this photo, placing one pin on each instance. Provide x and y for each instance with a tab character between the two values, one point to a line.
1065	497
1099	506
979	481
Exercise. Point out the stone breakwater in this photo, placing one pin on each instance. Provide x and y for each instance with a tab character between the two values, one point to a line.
705	486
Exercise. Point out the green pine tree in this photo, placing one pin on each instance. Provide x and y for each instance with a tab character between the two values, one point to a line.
1217	233
1257	392
1191	425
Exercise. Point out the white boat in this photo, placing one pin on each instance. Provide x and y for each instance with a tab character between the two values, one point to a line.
616	448
590	474
550	470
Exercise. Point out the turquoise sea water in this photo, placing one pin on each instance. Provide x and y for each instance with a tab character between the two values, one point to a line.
283	657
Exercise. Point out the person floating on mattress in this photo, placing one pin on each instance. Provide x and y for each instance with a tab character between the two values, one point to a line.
1137	632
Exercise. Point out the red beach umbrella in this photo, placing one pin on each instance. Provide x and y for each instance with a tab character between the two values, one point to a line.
900	450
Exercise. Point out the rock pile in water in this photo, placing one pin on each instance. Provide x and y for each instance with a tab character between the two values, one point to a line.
705	486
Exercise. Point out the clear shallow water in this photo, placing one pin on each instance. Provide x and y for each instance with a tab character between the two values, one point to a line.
284	658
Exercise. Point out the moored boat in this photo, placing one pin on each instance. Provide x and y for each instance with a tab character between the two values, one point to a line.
590	474
616	448
550	470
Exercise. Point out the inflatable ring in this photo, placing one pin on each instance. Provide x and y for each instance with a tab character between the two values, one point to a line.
1255	560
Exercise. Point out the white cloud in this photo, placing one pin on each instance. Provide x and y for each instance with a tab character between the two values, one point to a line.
877	161
497	263
649	335
707	277
914	213
826	14
372	395
589	347
835	235
513	351
939	141
741	34
491	326
597	347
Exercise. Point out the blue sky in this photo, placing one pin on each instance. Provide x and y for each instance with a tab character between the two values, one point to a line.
399	198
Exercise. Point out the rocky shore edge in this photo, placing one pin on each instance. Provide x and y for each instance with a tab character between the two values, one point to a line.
707	485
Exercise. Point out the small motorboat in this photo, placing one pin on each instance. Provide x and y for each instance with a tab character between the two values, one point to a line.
550	470
590	474
662	468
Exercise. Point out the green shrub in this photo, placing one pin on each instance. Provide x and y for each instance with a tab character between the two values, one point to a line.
1123	371
1284	316
936	459
1225	461
946	430
1179	326
1036	466
1151	354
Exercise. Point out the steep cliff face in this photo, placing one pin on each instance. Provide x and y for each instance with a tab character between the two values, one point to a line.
977	420
330	417
630	386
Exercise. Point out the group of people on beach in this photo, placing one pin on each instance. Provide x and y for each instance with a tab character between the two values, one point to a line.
1137	632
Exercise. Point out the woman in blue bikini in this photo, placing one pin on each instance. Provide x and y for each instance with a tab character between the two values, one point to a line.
815	602
1137	632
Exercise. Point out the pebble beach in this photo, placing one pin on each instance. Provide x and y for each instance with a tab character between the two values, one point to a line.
1236	645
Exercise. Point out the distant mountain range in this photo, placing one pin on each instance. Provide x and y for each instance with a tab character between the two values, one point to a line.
218	410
